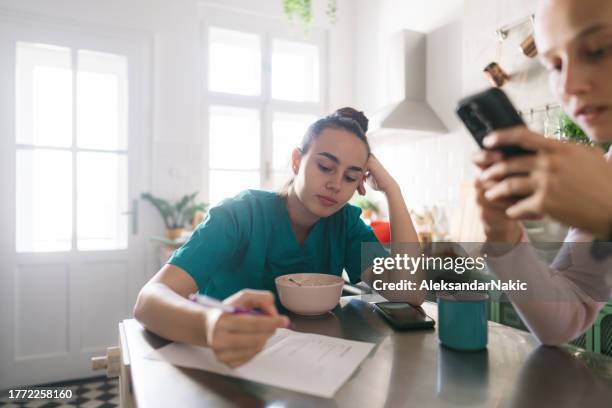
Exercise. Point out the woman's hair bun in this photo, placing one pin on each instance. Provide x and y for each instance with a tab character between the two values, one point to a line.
354	114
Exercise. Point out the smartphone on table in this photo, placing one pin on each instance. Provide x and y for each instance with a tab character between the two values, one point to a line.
488	111
404	316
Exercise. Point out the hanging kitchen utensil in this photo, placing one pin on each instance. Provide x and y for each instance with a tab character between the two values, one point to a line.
528	47
496	75
494	72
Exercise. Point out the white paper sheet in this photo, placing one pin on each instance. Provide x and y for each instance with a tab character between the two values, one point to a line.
304	362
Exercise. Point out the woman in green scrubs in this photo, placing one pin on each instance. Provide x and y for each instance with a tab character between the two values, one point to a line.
249	240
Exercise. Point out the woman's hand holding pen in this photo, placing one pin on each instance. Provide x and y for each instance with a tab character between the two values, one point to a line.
237	337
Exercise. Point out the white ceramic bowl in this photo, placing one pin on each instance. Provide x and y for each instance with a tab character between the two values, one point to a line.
319	293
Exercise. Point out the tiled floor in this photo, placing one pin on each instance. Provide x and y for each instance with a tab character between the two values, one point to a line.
90	393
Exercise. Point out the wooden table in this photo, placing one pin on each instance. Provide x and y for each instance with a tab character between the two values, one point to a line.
404	369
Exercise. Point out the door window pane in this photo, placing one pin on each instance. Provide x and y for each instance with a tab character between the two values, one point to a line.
43	95
288	130
101	201
234	138
101	101
234	62
227	183
295	71
44	200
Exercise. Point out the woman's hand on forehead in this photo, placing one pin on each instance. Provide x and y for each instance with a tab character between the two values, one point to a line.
377	176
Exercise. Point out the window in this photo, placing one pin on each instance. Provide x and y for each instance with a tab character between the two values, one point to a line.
71	135
234	161
295	71
234	63
287	132
262	91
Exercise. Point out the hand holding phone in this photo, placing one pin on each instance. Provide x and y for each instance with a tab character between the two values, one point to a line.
488	111
404	316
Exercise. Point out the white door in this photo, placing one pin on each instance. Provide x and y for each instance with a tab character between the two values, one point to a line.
73	143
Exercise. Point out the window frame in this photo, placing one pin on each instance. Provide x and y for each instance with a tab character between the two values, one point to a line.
268	29
74	49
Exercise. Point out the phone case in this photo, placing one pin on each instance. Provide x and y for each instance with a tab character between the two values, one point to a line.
488	111
405	325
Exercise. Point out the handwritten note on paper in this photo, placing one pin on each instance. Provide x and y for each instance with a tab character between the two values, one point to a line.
304	362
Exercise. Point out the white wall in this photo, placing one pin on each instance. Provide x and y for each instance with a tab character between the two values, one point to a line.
528	87
429	169
461	41
379	48
422	16
444	71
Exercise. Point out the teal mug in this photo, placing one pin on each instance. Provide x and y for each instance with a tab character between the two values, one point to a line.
462	320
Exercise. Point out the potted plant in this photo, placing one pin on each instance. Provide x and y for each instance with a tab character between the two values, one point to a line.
570	131
176	215
302	10
368	208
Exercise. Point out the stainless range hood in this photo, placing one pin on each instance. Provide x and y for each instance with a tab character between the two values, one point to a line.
414	113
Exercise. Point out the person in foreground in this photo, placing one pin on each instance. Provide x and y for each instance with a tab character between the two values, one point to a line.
249	240
568	182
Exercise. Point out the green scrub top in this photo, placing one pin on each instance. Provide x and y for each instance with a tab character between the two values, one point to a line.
247	241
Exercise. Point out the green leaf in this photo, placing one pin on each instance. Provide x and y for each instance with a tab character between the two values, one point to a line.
366	204
164	208
332	8
298	9
570	131
178	214
302	10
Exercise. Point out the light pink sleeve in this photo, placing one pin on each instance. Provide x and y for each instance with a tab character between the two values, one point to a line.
562	300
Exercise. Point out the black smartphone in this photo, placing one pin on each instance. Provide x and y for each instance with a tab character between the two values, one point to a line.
404	316
488	111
